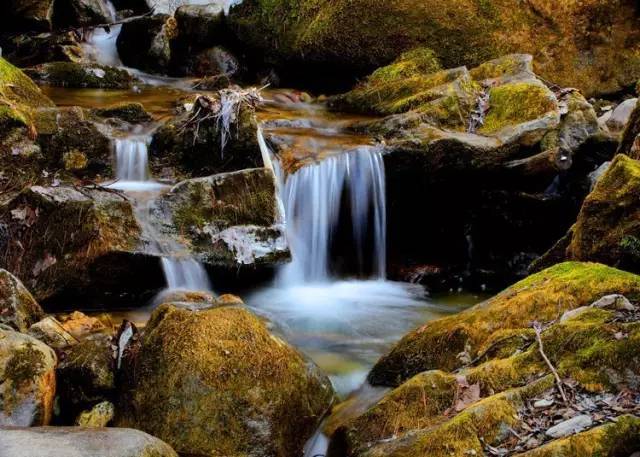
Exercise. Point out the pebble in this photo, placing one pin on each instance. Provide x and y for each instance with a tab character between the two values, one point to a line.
569	427
544	403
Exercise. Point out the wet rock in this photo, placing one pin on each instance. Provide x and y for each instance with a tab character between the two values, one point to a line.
81	75
196	143
65	233
145	43
81	442
51	332
133	113
570	426
86	374
573	284
98	416
30	50
214	381
81	13
201	25
216	61
27	16
27	371
330	37
228	220
18	308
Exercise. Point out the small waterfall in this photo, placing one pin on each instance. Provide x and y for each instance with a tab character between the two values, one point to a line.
132	172
312	198
100	46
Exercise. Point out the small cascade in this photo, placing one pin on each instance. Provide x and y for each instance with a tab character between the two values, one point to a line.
100	46
132	172
313	198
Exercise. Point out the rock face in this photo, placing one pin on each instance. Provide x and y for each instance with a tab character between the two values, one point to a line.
446	343
81	13
75	228
491	150
215	382
18	308
229	220
144	43
356	37
27	371
81	75
469	397
607	228
197	143
30	15
81	442
28	50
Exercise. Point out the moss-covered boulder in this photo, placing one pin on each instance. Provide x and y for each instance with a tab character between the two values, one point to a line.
81	442
81	75
27	50
229	220
607	228
200	142
349	37
57	234
145	43
28	382
18	308
490	392
447	343
133	113
86	375
216	382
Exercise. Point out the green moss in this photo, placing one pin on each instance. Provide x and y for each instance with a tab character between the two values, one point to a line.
543	296
26	364
516	103
73	74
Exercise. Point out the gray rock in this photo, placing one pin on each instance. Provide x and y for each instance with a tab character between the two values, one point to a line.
81	442
51	332
621	114
614	301
569	427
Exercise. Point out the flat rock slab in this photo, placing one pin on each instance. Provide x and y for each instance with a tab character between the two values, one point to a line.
569	427
80	442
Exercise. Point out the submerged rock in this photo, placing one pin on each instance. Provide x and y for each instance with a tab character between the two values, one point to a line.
216	382
27	371
18	308
81	442
81	75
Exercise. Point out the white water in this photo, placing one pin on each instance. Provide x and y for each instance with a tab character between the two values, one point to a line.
312	199
132	171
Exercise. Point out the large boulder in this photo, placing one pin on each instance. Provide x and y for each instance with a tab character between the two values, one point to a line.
145	43
201	25
81	442
607	228
214	381
29	15
215	135
28	381
229	220
18	308
344	38
57	237
450	343
28	50
82	13
80	75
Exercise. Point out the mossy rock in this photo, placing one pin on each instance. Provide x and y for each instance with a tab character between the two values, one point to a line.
81	75
27	15
134	113
18	308
351	38
216	382
543	296
28	50
27	368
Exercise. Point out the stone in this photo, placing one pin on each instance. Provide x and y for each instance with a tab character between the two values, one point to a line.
614	301
28	50
18	308
27	371
544	403
98	416
621	115
215	381
79	325
81	75
51	332
81	442
27	16
82	13
201	25
133	113
144	43
212	62
570	426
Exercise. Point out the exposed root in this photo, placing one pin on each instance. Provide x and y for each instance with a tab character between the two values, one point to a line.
538	329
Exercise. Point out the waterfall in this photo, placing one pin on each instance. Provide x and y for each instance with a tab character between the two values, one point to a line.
132	172
312	198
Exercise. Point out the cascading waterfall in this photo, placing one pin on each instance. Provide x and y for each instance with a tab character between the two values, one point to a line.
132	172
312	198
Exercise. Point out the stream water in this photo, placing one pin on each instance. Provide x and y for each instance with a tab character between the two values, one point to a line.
342	317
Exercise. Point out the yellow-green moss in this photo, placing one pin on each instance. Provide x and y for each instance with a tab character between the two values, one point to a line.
544	296
74	160
515	103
